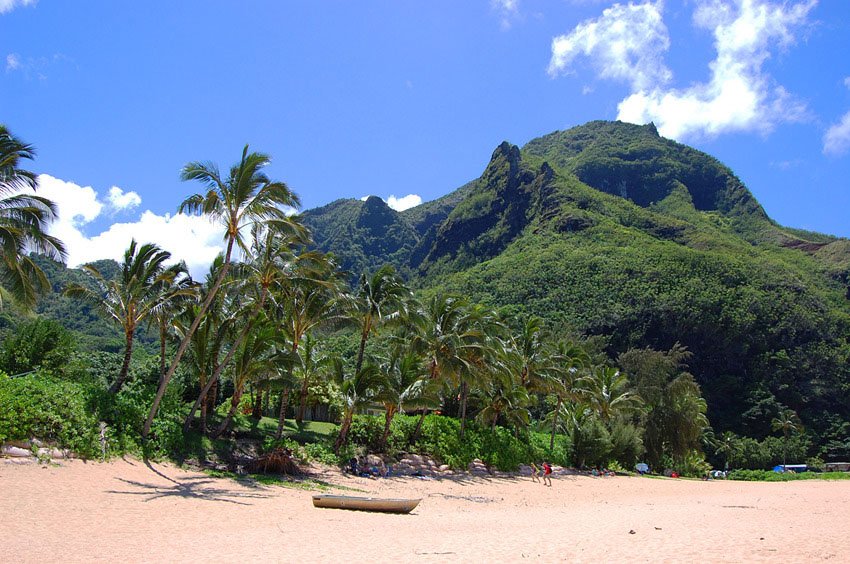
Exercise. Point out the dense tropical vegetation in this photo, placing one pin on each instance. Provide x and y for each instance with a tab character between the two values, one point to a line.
601	297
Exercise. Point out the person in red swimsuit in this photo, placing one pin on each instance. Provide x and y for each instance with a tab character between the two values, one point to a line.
547	474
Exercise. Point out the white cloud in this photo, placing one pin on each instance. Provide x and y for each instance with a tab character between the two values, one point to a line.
836	141
508	11
399	204
9	5
847	82
403	203
191	238
628	43
120	200
13	62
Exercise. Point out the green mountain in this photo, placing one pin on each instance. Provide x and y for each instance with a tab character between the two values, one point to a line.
609	229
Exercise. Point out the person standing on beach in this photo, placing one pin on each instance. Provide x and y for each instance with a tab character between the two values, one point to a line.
547	474
535	473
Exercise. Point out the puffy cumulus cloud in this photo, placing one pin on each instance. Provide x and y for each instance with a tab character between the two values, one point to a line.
121	200
739	95
405	202
508	11
9	5
193	239
626	43
836	141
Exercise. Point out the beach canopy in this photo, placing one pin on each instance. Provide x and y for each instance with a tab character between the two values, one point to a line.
642	467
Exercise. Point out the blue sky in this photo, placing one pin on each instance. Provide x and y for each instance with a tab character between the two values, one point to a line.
408	98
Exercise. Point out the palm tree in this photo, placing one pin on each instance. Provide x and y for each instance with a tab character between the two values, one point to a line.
789	423
684	416
606	389
257	357
403	385
486	350
566	361
309	362
449	341
532	353
23	224
245	197
381	298
273	254
728	445
144	284
311	296
358	390
506	398
181	292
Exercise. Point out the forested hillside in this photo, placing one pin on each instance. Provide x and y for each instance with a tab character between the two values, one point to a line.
609	229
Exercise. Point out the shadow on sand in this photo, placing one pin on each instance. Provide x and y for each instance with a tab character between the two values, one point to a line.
190	487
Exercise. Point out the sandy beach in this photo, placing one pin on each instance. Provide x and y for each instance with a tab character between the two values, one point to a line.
131	511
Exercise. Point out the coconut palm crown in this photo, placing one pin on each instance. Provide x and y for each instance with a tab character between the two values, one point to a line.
24	218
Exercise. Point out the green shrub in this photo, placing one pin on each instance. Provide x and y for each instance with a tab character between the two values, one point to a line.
37	406
39	344
771	476
440	438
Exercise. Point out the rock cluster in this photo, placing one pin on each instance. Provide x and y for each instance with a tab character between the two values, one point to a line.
418	465
478	468
33	448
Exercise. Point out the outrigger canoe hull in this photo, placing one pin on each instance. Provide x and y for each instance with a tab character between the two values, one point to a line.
365	503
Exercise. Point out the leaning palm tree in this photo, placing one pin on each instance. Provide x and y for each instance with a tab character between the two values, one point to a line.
789	423
24	219
244	197
144	284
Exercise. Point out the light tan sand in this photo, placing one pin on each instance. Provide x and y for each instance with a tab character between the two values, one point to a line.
129	511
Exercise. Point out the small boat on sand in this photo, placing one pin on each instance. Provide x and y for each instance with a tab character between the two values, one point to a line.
365	503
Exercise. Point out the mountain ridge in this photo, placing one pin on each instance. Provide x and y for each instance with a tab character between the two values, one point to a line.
609	229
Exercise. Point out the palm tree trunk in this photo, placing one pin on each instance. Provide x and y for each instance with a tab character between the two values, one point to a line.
419	425
257	410
342	438
387	422
364	335
554	425
464	395
234	405
163	334
125	366
184	344
281	418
